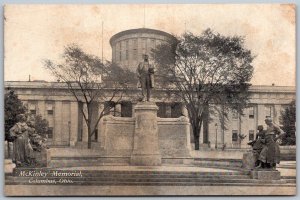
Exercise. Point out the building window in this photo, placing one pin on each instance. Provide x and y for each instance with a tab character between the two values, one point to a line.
152	44
234	135
95	136
135	49
283	108
251	112
157	43
176	110
162	110
251	135
120	51
268	111
126	50
144	45
32	108
126	109
50	133
235	115
49	108
109	108
116	54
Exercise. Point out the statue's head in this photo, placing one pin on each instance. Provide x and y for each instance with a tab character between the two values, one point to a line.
146	57
30	123
21	118
268	120
260	128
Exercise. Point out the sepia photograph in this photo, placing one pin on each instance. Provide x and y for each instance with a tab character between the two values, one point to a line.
149	99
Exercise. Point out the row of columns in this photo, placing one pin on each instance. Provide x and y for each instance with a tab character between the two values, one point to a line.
70	137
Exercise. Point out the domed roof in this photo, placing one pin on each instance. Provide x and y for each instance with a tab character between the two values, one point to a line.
139	30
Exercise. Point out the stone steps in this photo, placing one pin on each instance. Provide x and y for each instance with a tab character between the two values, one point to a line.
156	176
145	178
135	170
155	183
212	162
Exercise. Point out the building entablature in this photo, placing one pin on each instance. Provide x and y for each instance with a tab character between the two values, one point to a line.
59	91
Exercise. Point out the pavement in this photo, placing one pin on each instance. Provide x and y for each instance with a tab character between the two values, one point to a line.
287	168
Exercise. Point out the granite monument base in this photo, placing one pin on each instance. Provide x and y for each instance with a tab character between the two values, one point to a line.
145	142
249	160
265	175
145	160
9	166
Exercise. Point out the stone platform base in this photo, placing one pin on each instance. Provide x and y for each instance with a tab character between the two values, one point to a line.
145	160
248	160
265	175
9	166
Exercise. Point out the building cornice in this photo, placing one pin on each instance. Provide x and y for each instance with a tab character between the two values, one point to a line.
61	85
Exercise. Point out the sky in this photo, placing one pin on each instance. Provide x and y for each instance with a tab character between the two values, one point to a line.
33	33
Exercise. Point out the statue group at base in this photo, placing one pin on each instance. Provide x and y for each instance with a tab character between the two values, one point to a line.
25	142
265	148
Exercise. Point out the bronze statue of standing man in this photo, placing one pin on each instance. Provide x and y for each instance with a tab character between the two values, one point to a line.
145	73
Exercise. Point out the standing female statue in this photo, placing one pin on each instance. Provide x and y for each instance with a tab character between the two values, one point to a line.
22	151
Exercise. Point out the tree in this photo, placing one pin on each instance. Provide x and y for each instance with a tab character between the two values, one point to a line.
90	80
209	69
288	120
40	125
13	107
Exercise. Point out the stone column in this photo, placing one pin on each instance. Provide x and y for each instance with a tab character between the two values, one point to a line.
41	108
57	122
118	110
277	109
184	111
101	108
145	142
261	114
74	123
168	110
84	125
133	107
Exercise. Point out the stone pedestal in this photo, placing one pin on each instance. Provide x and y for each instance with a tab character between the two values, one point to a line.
9	166
249	160
145	143
265	175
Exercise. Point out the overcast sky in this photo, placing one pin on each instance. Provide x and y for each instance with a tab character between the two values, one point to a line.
37	32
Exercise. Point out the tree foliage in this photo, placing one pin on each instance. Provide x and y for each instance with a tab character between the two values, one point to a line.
90	80
40	125
288	120
12	108
208	69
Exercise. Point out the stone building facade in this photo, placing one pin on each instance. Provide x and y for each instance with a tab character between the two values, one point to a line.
54	103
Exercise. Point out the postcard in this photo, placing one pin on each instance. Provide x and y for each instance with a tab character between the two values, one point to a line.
150	99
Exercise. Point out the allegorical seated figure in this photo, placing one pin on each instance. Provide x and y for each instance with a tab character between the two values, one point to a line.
258	144
270	154
145	73
22	150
